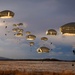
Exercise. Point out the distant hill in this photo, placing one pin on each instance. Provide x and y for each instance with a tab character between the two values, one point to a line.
53	59
44	59
37	60
4	58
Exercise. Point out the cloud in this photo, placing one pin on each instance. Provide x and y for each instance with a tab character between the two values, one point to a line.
62	55
73	46
58	39
55	53
37	17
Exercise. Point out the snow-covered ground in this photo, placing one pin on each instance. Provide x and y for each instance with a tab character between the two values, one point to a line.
52	66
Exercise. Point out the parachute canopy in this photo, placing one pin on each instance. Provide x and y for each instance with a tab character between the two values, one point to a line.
44	38
30	37
51	32
20	30
20	24
15	29
18	35
6	14
43	50
68	29
15	25
28	32
31	43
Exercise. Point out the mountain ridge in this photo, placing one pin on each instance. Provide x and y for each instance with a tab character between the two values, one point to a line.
44	59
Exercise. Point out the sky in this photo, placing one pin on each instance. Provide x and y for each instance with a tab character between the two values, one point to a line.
37	16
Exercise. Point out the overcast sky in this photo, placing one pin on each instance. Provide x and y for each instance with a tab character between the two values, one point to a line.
37	16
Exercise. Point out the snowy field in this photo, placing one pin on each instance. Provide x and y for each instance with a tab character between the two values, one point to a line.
52	66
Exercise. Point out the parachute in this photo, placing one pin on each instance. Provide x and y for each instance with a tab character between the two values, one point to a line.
15	25
6	14
28	32
15	29
68	29
20	30
18	35
43	49
44	38
30	37
20	24
51	32
31	43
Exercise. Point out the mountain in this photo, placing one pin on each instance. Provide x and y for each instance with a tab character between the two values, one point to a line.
45	59
4	58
